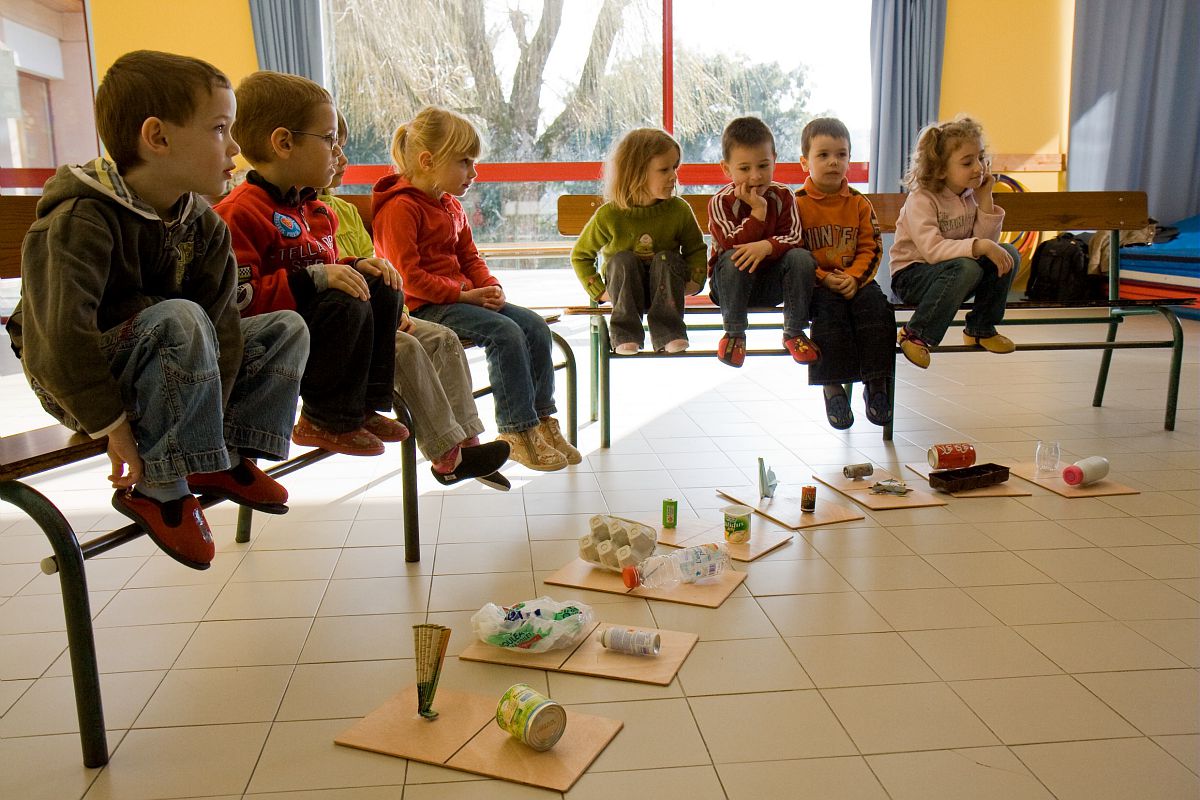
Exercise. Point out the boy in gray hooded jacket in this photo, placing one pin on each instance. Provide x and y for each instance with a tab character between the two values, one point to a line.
127	326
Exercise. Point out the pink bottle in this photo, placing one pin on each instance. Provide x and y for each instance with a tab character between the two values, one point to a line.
1085	471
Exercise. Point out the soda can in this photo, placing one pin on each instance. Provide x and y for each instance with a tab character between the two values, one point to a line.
955	455
531	717
631	641
737	523
856	471
670	513
808	498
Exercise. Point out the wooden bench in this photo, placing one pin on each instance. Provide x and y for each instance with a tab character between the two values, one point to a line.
1037	211
30	453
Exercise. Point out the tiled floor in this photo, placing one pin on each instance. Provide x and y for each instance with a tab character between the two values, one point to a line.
1006	648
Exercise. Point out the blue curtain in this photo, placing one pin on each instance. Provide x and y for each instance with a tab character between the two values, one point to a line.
907	38
287	37
1135	116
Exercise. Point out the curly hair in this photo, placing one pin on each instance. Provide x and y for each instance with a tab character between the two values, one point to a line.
625	173
935	144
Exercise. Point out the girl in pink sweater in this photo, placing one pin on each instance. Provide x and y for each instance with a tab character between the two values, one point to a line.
946	249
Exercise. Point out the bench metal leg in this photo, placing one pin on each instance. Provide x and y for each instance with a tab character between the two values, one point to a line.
572	371
887	429
245	521
594	344
603	353
78	613
1176	365
408	483
1105	362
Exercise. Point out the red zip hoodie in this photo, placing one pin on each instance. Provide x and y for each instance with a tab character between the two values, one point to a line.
428	240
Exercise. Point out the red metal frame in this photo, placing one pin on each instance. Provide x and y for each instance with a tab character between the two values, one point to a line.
668	66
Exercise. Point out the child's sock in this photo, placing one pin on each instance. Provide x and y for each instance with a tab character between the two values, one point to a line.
448	461
164	492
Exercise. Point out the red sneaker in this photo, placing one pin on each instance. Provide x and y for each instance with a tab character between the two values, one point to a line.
360	442
731	350
802	349
178	526
385	429
245	484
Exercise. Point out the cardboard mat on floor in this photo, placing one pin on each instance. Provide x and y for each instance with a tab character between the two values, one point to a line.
590	657
684	529
1055	483
764	536
465	737
784	508
1008	488
860	491
578	574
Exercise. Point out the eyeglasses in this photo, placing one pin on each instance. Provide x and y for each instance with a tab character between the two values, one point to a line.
329	138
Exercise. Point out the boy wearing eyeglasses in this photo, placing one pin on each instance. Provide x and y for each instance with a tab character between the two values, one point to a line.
287	257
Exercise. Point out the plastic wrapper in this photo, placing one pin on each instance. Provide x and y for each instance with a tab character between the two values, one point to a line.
534	626
614	543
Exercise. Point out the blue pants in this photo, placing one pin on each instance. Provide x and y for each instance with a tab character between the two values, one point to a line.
857	337
938	290
520	364
788	279
165	361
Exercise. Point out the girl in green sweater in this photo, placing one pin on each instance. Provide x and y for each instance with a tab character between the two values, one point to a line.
653	249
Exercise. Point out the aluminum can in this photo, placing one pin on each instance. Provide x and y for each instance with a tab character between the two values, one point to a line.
856	471
531	717
808	498
670	513
631	641
955	455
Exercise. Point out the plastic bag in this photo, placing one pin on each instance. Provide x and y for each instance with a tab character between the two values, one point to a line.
534	626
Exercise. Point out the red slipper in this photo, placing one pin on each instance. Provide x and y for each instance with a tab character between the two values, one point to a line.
177	526
731	350
359	442
385	429
802	349
245	484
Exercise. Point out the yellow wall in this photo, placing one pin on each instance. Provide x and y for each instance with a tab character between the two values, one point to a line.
217	31
1008	64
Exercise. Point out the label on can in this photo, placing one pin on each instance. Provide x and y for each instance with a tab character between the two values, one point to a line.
808	498
631	641
670	513
737	523
531	717
856	471
954	455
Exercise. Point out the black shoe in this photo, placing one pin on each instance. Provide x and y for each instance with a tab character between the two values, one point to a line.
496	480
837	407
475	462
878	402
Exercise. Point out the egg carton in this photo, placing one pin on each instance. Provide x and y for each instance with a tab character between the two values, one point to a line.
614	543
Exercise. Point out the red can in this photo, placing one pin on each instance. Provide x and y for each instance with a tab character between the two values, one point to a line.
955	455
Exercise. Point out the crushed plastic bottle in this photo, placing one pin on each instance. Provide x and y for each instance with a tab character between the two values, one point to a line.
687	565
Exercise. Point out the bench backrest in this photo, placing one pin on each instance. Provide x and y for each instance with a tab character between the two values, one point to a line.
1024	211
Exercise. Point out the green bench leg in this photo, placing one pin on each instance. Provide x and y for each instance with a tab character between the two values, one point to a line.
77	610
572	371
602	360
594	388
408	482
1176	365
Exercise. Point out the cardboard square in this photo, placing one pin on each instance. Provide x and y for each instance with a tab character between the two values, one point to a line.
878	502
836	480
784	508
579	574
494	753
763	539
592	658
551	659
685	529
465	737
1055	483
1006	489
395	728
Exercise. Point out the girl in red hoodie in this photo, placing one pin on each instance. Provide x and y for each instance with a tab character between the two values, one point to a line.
419	225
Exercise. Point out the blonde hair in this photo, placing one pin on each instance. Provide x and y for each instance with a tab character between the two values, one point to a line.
625	173
441	132
935	144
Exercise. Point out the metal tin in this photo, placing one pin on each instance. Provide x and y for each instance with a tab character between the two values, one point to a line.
808	498
531	717
670	513
632	641
737	523
856	471
954	455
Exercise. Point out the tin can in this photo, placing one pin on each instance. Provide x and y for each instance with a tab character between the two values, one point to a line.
531	717
631	641
670	513
856	471
808	498
737	523
955	455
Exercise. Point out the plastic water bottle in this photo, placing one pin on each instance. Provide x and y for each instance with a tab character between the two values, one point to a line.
687	565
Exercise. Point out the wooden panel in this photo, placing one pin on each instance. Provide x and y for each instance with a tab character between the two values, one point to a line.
363	203
16	215
574	210
36	451
1029	162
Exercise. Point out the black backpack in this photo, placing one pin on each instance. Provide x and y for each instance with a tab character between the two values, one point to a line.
1059	272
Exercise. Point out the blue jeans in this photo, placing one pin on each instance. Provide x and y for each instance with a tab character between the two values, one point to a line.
857	337
165	361
938	290
520	365
788	279
654	288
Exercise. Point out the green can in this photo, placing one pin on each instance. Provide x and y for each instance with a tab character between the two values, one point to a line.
531	717
670	513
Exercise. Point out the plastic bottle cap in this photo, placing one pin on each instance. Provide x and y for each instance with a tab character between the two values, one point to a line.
630	576
1073	475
